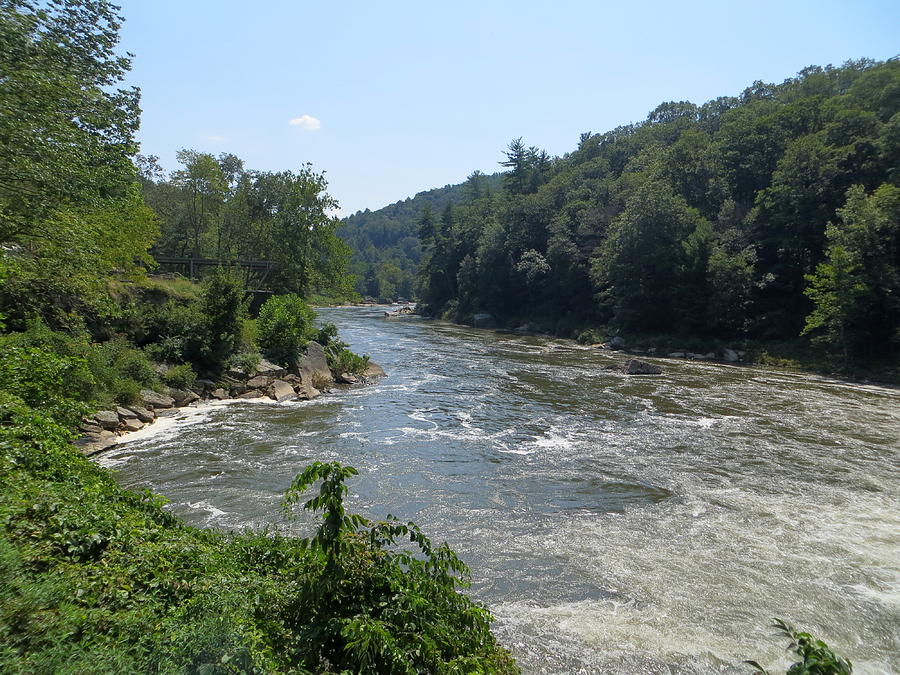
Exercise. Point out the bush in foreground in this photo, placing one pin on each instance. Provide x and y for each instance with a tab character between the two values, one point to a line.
95	578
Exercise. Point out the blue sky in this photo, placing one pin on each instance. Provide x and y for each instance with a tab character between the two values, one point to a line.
391	98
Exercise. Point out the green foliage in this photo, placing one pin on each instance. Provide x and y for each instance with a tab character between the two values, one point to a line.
223	307
96	578
246	362
817	658
180	377
215	208
704	221
385	244
66	130
340	358
284	326
389	610
38	377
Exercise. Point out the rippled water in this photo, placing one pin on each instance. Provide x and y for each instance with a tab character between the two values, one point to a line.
613	524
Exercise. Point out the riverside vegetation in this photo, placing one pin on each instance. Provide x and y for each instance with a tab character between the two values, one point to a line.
767	221
95	578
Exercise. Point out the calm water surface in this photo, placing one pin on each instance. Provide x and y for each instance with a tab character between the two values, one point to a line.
612	524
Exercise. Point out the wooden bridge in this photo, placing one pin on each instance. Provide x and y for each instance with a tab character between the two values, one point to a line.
258	270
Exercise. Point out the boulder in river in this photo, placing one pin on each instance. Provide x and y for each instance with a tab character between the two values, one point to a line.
374	370
219	394
313	366
258	382
306	392
132	424
730	356
125	413
638	367
281	390
617	343
143	414
183	397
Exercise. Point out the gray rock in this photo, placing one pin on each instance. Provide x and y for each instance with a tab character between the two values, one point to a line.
374	370
219	394
126	414
676	355
238	389
730	355
306	392
132	424
107	419
152	400
617	343
281	390
253	393
292	379
183	397
90	428
347	378
269	369
259	382
636	367
313	366
143	414
483	320
91	444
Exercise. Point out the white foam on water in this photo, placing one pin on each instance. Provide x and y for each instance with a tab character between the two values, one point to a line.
208	508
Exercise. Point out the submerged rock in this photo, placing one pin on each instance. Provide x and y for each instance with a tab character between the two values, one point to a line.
637	367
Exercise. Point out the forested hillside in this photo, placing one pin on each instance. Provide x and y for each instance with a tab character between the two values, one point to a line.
385	243
768	215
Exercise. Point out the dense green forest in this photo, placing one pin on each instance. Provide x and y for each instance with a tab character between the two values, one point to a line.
773	215
212	207
95	578
385	243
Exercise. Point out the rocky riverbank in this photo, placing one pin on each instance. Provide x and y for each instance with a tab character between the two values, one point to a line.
310	377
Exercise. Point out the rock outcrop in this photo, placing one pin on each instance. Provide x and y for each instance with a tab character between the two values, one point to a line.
313	366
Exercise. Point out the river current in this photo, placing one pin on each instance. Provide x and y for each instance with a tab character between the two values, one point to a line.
613	524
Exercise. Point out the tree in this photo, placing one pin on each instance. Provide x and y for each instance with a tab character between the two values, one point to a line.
855	290
66	129
204	185
70	210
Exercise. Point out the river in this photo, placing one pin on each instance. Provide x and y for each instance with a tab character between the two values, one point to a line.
613	524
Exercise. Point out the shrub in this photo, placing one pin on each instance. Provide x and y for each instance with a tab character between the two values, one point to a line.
340	359
223	306
284	326
816	657
246	362
180	377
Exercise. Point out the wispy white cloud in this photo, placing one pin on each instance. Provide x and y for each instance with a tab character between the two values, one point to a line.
306	122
